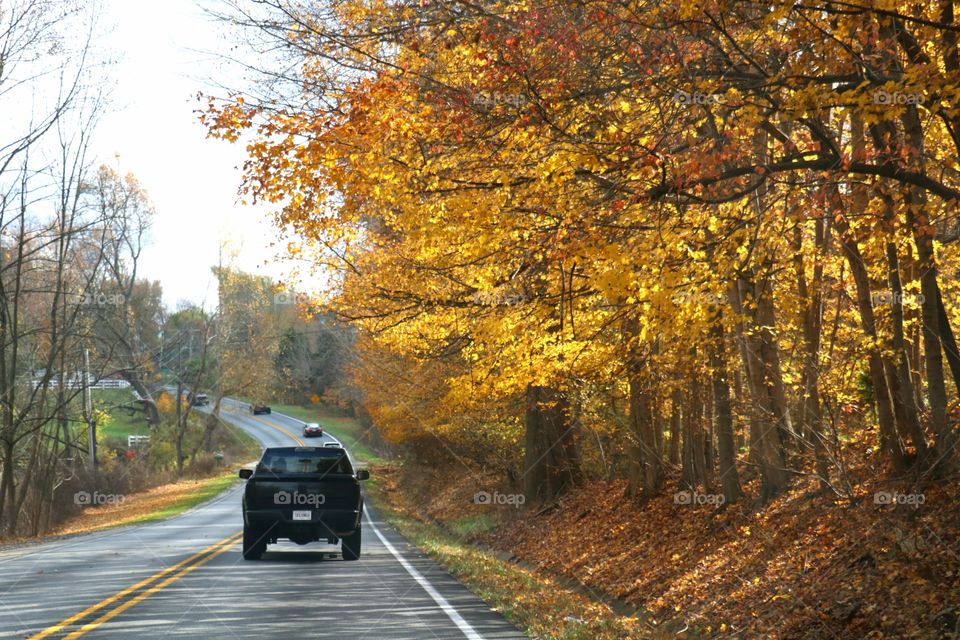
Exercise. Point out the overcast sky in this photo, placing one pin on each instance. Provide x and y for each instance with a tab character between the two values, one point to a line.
151	130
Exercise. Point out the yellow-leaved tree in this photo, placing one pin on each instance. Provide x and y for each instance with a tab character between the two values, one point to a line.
670	226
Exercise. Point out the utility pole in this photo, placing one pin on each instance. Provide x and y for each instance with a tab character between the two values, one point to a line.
88	405
179	385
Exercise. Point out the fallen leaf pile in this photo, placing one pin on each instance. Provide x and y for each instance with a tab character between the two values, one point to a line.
807	565
133	508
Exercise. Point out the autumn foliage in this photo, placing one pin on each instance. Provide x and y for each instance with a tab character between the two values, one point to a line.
597	238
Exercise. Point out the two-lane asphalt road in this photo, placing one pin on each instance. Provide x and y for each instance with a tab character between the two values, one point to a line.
185	578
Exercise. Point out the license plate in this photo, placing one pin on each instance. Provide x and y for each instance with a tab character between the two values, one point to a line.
302	515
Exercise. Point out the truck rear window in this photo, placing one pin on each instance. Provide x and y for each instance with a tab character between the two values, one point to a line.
323	461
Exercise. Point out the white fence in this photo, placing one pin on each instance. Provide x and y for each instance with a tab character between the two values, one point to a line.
134	442
110	384
77	383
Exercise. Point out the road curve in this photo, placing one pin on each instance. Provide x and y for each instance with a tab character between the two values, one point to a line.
184	578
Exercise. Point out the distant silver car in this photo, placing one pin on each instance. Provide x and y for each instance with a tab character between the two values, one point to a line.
312	430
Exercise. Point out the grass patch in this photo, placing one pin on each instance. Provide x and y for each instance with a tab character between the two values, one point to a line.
472	525
122	422
344	428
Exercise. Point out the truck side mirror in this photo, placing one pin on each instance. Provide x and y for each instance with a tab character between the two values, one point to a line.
363	474
246	473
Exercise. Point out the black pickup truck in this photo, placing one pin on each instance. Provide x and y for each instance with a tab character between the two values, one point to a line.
304	494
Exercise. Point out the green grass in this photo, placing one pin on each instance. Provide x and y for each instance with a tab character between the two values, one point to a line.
121	423
344	428
472	525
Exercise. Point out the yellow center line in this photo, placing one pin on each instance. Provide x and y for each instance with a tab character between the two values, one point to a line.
156	576
146	593
270	424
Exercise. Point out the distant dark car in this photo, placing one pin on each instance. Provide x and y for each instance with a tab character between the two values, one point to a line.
257	409
312	430
303	494
200	400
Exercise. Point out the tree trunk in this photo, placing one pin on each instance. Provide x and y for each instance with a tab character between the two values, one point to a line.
689	471
726	449
883	398
7	486
949	342
762	368
694	472
811	319
743	372
28	481
551	464
146	399
646	475
770	358
909	416
936	386
923	233
675	428
741	438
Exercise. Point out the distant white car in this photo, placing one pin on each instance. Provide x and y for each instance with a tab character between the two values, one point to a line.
332	444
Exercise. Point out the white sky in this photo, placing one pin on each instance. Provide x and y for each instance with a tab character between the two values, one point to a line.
151	130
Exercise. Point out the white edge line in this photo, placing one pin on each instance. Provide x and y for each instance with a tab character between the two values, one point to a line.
448	609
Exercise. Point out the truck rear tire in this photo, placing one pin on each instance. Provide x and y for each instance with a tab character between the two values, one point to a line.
350	546
254	543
